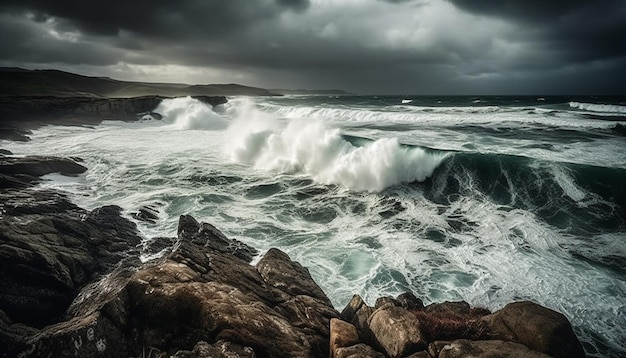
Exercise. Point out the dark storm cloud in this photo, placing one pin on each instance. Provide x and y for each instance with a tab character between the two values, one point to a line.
163	18
360	45
583	30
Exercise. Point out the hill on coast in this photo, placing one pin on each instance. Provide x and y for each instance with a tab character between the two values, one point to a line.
55	83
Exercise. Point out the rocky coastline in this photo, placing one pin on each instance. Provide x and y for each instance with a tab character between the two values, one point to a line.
21	114
73	284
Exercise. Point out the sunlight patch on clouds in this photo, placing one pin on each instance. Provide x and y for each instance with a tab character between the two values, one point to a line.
176	73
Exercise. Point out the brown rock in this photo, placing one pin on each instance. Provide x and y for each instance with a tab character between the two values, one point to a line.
460	307
342	334
536	327
483	349
358	351
221	349
408	301
352	308
195	294
382	301
288	276
396	331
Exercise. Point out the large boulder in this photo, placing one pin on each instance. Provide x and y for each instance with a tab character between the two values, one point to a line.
358	351
463	348
36	166
396	331
49	247
288	276
197	299
358	313
342	334
536	327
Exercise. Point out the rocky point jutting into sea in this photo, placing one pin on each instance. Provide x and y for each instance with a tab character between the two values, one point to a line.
73	284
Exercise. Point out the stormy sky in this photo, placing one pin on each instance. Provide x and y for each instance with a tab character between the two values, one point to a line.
363	46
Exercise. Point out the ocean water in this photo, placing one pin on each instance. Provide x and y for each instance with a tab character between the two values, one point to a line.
482	199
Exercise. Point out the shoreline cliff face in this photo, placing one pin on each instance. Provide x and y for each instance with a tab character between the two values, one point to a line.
18	115
73	286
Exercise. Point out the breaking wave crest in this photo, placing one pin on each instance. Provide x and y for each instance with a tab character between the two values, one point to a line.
190	113
312	148
594	107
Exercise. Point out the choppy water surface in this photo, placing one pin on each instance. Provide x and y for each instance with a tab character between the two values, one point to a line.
487	200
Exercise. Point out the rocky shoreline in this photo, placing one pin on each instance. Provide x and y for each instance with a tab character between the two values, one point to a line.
19	115
73	285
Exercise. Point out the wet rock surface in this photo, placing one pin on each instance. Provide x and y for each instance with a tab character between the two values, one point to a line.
195	299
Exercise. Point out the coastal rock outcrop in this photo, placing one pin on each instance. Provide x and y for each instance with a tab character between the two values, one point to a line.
49	247
403	327
197	298
18	114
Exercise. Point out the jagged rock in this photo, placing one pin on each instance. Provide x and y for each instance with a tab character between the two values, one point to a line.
13	336
348	313
37	166
197	293
46	257
288	276
49	247
221	349
482	349
396	331
461	307
20	113
536	327
408	301
358	312
421	354
342	334
358	351
386	300
205	234
147	214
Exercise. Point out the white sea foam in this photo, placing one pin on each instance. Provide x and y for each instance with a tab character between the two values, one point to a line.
313	148
407	101
190	113
431	116
594	107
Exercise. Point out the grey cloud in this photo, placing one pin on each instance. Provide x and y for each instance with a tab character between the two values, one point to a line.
581	30
298	5
376	44
158	18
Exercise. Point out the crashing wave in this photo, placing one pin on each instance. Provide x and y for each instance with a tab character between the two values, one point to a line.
312	148
190	113
594	107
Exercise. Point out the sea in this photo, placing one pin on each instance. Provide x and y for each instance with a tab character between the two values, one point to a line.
487	199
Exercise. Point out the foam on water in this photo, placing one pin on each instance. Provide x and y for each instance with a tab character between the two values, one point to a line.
313	148
444	116
190	113
462	247
602	108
